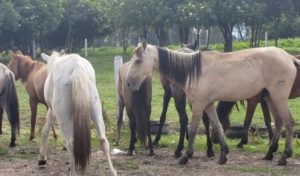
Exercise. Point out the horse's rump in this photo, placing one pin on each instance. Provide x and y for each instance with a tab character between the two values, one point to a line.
12	100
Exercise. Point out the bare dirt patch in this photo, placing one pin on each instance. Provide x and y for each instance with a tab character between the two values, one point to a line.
162	163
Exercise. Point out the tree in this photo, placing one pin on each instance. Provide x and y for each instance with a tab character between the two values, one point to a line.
9	23
197	13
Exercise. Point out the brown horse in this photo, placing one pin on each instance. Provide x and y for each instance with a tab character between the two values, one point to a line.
138	108
225	107
213	76
33	74
9	102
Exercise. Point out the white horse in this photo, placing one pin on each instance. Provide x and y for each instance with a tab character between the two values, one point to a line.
72	97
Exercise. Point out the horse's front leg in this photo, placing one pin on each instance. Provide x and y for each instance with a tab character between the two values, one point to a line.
45	133
1	117
197	112
251	106
209	152
120	120
216	126
180	106
166	100
267	118
33	108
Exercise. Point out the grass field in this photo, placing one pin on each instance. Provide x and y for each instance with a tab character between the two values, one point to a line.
102	60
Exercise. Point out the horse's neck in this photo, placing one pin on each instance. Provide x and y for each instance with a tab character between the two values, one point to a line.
25	69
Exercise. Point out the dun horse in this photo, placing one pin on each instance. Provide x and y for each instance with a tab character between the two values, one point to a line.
72	97
251	106
33	74
9	102
212	76
138	108
170	90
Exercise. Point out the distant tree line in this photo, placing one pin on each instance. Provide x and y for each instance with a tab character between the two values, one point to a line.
65	23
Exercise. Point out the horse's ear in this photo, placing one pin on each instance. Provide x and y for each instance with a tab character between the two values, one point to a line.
144	44
11	54
45	56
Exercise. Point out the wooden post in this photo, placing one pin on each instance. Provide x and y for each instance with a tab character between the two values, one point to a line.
118	62
85	48
33	50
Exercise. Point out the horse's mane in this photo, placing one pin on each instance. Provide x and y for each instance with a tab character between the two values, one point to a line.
179	66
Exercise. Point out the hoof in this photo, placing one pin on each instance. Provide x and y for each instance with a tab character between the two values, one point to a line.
268	157
151	154
129	153
183	160
31	138
64	148
55	137
177	154
210	154
12	144
222	160
42	162
282	162
0	132
155	142
240	145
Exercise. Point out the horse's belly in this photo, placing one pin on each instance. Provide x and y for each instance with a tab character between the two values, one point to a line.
235	87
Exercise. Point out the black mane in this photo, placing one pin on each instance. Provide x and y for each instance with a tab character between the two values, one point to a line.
179	66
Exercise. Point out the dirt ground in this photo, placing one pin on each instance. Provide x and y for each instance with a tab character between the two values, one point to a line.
163	163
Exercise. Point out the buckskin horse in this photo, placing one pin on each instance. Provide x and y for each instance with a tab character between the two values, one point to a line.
213	76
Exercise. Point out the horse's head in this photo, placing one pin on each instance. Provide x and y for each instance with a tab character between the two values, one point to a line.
13	64
52	58
142	62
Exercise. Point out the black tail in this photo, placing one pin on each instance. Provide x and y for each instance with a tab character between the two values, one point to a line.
142	105
12	101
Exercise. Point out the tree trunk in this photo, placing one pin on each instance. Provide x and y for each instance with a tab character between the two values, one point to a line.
145	31
276	31
125	34
252	37
240	32
183	33
161	35
208	37
227	35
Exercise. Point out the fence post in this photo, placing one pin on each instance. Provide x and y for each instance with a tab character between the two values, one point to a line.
118	62
266	38
33	50
85	48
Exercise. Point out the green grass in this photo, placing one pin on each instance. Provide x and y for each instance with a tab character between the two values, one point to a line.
102	60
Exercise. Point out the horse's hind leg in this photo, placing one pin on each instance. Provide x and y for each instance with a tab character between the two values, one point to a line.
180	107
1	117
209	152
282	110
251	106
45	133
267	118
120	120
166	100
33	108
100	128
216	126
